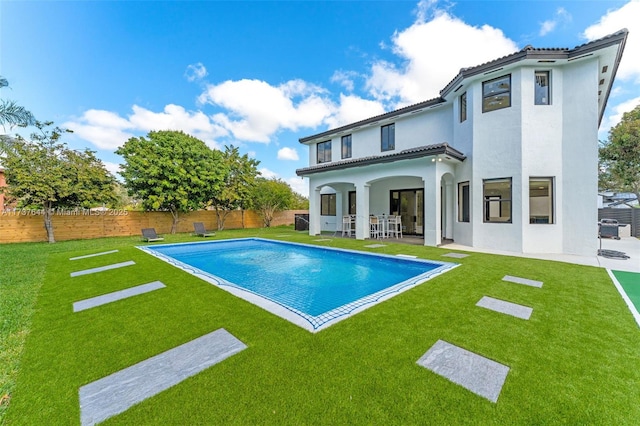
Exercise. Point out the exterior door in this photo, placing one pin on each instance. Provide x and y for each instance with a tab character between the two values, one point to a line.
409	204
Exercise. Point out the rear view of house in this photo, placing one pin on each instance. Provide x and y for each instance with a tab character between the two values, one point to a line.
505	158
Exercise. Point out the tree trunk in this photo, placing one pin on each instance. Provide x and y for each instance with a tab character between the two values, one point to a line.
48	224
174	225
221	215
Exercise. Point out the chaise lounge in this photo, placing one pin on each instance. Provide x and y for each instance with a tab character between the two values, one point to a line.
201	231
149	235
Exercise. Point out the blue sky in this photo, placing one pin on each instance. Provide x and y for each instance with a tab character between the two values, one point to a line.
262	74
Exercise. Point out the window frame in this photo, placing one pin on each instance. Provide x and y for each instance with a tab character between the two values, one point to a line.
496	93
539	219
323	158
464	208
547	74
391	137
462	105
352	205
348	139
326	207
488	200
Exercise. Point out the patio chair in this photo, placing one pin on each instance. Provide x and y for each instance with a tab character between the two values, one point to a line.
346	226
201	231
395	226
374	227
149	235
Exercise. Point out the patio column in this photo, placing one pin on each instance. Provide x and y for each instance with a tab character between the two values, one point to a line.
314	212
432	233
362	209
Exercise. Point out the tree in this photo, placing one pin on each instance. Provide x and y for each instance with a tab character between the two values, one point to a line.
269	197
44	173
620	155
300	202
239	179
12	113
170	170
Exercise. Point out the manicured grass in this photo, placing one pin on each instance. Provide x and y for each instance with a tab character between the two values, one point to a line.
574	361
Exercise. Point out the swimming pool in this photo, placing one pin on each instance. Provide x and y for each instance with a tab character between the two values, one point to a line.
310	286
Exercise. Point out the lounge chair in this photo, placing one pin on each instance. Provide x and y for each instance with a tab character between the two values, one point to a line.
149	235
200	231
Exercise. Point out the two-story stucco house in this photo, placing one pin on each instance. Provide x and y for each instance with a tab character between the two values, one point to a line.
505	158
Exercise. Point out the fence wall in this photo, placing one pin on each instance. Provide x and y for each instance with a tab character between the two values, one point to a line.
623	216
22	227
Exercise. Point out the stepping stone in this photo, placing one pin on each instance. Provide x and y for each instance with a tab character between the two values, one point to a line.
376	245
103	268
117	392
524	281
323	239
93	255
283	235
456	255
116	295
473	372
408	256
504	307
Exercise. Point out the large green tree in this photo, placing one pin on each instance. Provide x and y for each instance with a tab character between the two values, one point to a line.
44	173
620	155
239	180
170	170
11	113
269	197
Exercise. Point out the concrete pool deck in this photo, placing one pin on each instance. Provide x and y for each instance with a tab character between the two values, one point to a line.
628	245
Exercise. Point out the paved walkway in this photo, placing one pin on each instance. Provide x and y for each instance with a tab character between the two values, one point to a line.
628	245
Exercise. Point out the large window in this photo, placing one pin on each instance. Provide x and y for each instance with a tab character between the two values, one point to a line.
542	88
463	202
324	152
346	146
388	137
327	204
541	200
496	93
497	200
463	107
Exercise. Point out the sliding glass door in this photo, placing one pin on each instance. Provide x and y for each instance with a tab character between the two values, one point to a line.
409	204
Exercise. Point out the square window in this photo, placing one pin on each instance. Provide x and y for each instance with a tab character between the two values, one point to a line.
496	93
327	204
541	200
346	146
497	200
388	137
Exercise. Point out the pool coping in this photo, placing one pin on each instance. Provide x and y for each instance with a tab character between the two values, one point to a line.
311	323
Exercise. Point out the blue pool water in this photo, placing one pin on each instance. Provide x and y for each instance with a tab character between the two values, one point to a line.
319	284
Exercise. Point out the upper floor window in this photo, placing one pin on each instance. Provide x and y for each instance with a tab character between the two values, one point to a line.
496	93
497	200
541	200
346	146
327	204
542	95
324	152
388	137
463	107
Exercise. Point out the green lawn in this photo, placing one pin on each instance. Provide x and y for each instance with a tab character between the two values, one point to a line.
575	361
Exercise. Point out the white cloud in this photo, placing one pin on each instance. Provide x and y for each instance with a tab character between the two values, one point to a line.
288	154
113	168
108	130
616	116
268	174
299	185
345	79
255	110
353	108
561	17
432	59
628	16
195	72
